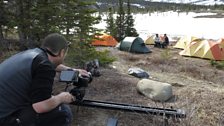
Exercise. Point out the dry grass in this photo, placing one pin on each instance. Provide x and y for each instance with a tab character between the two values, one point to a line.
197	87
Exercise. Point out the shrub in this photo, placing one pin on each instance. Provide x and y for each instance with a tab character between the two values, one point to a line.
164	58
104	57
217	64
78	55
213	62
166	54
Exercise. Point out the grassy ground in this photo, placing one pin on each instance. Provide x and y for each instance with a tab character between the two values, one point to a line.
197	87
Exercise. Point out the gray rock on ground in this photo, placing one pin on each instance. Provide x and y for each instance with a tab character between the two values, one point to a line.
157	91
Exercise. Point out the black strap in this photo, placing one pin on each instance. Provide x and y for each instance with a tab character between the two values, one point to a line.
49	52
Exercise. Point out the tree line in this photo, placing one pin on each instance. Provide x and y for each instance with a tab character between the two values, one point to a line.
32	20
29	21
148	6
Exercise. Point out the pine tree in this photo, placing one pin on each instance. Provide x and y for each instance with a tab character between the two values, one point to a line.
2	19
129	23
33	19
86	20
47	15
110	28
68	17
120	22
84	31
20	15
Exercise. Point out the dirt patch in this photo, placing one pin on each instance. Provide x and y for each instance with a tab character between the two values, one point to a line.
197	86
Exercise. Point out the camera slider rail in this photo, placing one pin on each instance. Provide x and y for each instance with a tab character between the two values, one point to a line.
132	108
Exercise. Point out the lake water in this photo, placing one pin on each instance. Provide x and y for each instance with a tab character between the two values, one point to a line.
177	24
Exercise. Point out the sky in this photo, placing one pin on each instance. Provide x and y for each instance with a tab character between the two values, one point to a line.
177	24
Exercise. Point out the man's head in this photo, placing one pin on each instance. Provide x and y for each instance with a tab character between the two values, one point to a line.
56	46
55	43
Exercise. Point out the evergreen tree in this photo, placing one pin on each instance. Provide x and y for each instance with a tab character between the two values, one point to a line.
34	20
68	18
120	22
22	17
7	23
85	20
84	31
129	24
3	20
47	15
110	28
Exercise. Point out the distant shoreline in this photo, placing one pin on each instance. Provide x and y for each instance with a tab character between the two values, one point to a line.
218	15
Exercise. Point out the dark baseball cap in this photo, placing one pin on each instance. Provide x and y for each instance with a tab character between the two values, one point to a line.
55	42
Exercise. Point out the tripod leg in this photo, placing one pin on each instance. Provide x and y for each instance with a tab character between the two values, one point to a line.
112	122
165	122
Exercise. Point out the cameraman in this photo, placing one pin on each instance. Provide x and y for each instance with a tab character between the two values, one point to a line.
26	81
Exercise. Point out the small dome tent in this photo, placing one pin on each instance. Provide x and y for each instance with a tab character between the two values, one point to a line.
104	40
134	44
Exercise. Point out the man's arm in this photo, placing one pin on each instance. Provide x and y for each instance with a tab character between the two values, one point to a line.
51	103
62	67
40	93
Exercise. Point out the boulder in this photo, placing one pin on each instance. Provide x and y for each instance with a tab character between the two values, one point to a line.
157	91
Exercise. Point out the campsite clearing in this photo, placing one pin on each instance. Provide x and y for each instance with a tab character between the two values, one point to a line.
197	86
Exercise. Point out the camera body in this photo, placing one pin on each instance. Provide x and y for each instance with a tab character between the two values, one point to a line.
78	81
71	76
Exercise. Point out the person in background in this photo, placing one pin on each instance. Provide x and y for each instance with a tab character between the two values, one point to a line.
26	86
165	42
157	41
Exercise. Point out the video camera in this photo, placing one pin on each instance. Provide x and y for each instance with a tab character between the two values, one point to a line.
80	82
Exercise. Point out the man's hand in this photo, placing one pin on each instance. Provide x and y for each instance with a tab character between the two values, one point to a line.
82	72
51	103
66	97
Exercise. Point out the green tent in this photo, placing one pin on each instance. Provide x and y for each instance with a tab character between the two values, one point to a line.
134	44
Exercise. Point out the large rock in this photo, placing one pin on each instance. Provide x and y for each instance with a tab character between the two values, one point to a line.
155	90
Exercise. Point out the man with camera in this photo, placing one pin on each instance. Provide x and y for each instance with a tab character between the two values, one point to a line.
26	81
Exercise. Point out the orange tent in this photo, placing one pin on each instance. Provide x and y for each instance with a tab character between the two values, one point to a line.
104	40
